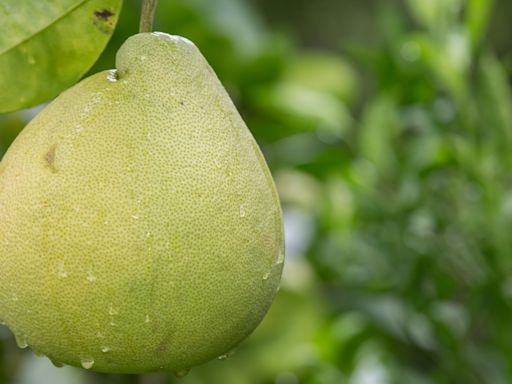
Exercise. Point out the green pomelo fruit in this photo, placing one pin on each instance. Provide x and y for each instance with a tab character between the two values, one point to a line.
140	228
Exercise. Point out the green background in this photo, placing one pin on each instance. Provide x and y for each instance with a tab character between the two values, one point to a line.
388	128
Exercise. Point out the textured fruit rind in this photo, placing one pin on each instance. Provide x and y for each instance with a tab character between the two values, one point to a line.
140	227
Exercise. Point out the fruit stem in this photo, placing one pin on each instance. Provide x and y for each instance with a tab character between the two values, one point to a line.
147	15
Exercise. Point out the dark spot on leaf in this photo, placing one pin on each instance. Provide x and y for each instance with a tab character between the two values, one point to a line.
103	20
182	103
49	157
103	14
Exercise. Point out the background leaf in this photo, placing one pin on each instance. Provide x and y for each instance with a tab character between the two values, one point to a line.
46	46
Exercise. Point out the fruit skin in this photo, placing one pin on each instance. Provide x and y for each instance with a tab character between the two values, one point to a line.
140	227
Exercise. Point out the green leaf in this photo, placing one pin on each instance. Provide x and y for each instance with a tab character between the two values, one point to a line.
46	46
478	14
436	15
379	131
323	72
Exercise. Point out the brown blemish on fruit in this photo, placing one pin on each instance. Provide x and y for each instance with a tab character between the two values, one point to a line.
50	159
162	347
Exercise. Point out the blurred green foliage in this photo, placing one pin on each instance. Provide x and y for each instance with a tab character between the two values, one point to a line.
391	152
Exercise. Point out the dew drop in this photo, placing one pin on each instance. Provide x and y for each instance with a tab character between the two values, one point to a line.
87	362
147	319
242	210
56	363
280	258
182	373
111	310
223	357
266	275
105	349
112	75
90	276
61	270
21	341
97	97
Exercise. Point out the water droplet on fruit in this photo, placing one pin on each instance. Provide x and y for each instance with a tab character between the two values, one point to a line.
266	275
223	357
280	258
97	97
111	310
90	275
61	270
87	362
182	373
242	210
56	363
147	319
112	75
21	341
105	349
136	217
